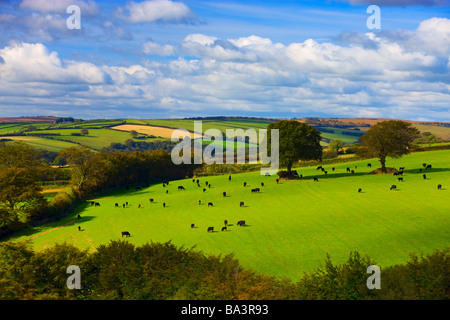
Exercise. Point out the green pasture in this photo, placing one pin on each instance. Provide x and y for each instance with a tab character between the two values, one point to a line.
291	226
96	139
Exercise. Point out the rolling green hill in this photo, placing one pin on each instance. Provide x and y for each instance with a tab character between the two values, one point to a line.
290	226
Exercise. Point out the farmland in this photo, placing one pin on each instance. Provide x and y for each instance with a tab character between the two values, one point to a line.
290	225
58	136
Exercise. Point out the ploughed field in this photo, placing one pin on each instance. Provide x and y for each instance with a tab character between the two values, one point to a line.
289	226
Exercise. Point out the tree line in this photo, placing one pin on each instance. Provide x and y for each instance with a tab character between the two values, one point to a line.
161	271
23	169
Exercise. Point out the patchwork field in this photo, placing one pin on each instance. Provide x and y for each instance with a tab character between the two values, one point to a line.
149	130
290	226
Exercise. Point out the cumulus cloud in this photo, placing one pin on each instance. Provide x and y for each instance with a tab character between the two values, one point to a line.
398	74
153	48
162	11
25	62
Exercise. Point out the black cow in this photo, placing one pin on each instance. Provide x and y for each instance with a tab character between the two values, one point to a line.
278	180
210	204
79	228
393	187
348	169
126	233
369	165
424	165
192	225
210	229
315	179
181	188
359	190
224	194
79	217
123	205
395	173
116	205
229	178
167	191
400	179
199	202
245	184
204	189
401	168
262	184
333	168
225	222
92	203
319	168
224	228
241	223
164	205
428	166
439	186
206	182
241	203
151	200
424	176
97	204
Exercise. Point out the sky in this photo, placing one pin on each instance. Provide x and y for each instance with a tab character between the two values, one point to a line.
197	58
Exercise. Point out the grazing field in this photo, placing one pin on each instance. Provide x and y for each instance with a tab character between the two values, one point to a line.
290	226
43	143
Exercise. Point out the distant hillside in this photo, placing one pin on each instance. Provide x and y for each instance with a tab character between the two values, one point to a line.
27	119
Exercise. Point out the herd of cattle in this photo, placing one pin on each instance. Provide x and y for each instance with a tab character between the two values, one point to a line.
241	223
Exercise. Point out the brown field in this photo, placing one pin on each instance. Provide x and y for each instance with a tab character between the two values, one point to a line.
149	130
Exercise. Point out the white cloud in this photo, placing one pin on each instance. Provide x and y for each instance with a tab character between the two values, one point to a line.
165	11
153	48
375	74
25	62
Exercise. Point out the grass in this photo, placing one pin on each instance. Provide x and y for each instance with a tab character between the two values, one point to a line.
291	225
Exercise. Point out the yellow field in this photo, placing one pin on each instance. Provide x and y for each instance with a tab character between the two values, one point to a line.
150	130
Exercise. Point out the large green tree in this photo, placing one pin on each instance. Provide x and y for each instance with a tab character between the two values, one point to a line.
390	138
297	141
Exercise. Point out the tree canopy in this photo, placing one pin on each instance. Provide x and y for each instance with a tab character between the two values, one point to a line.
297	141
390	138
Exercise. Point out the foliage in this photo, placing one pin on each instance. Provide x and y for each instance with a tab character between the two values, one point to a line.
20	197
297	141
335	145
159	271
388	139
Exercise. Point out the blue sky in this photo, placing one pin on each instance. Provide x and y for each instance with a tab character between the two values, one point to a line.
163	58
